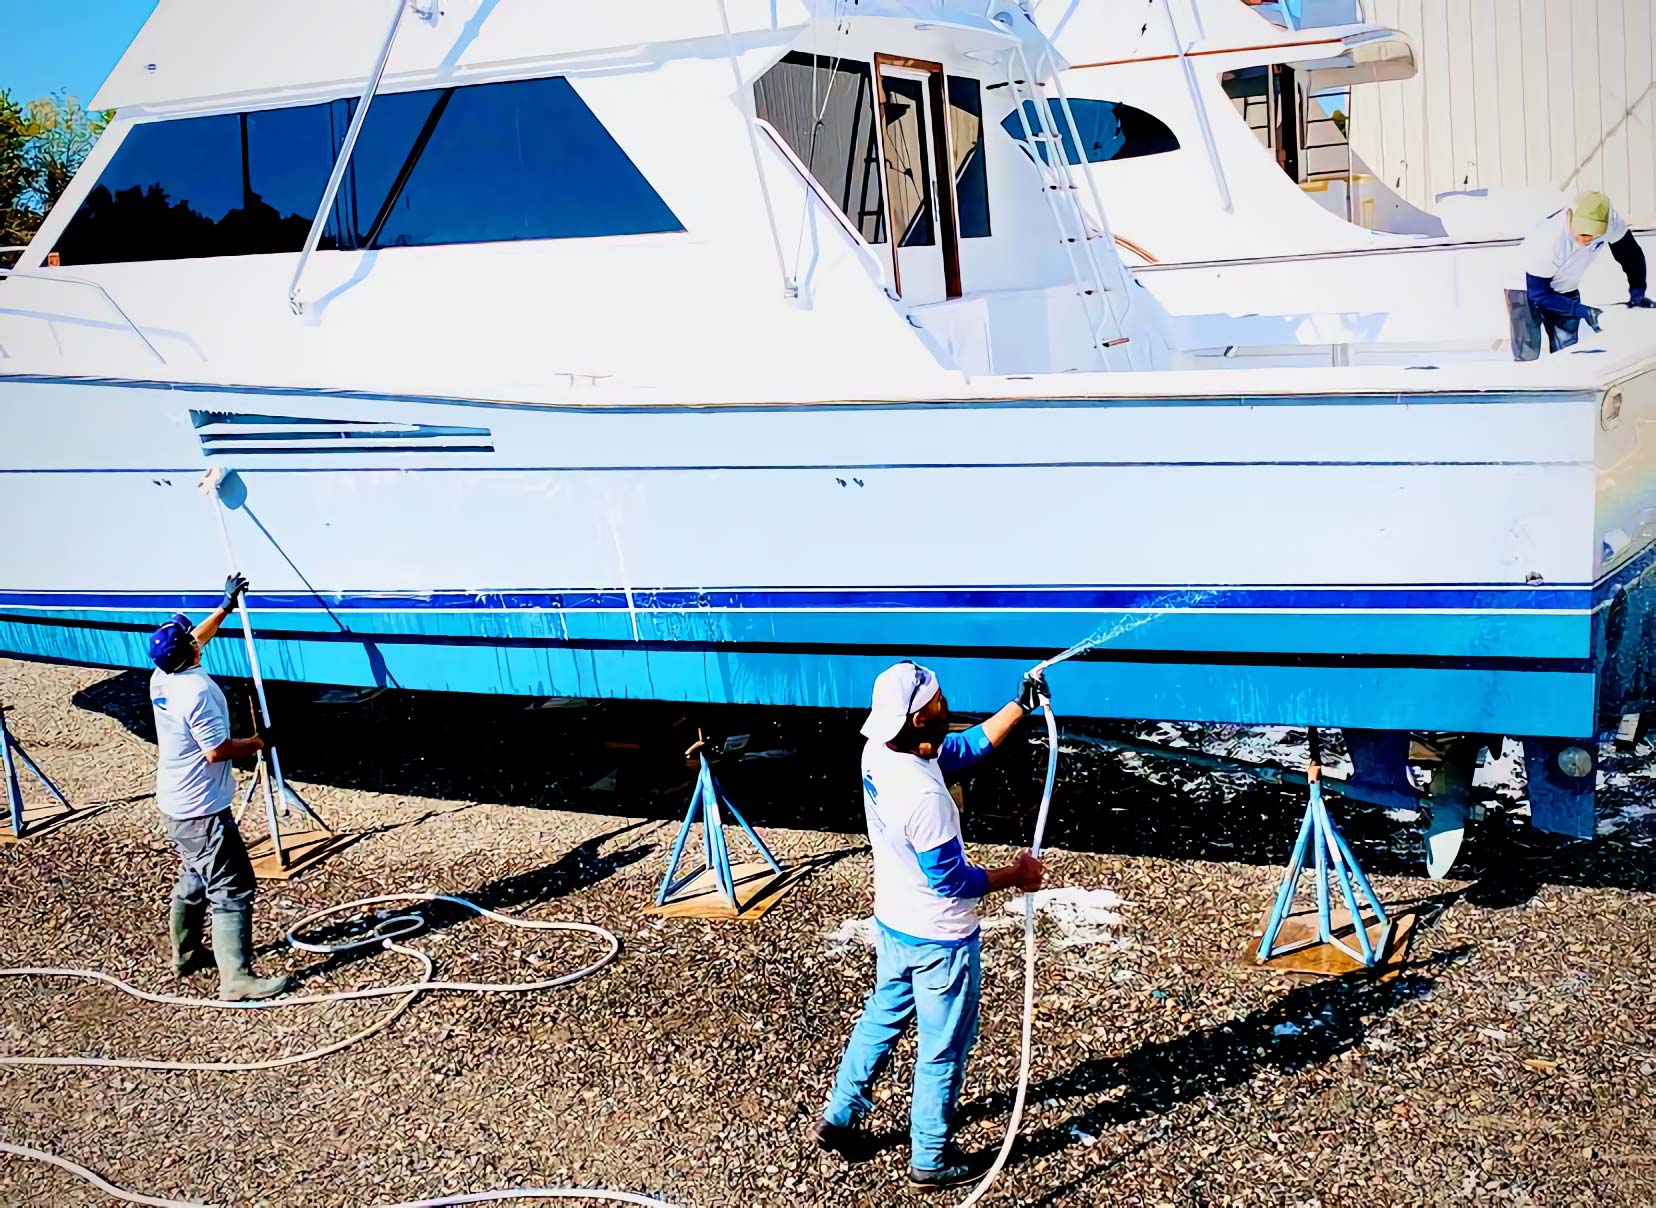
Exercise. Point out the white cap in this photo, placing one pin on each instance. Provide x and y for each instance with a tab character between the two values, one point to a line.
900	690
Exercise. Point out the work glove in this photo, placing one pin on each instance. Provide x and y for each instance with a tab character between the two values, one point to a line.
1637	301
1031	691
234	585
1590	315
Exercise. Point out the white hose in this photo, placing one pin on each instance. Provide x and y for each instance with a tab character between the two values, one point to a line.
1035	847
92	1177
385	934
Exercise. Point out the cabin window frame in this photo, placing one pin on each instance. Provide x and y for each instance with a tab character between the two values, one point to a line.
175	140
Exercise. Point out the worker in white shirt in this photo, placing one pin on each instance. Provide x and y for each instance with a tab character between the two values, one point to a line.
1557	255
926	895
194	790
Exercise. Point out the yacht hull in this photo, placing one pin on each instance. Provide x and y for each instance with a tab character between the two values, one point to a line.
1311	559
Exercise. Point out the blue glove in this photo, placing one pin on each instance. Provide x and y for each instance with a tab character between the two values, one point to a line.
234	586
1636	300
1032	691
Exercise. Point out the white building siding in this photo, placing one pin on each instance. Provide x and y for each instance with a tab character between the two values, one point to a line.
1535	94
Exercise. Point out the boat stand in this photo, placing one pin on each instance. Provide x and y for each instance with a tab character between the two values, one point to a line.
281	855
28	823
718	889
1316	941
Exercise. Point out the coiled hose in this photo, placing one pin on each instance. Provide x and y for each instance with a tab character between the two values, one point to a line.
385	934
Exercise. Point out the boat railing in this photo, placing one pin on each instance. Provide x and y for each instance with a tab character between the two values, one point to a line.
324	209
59	279
1038	117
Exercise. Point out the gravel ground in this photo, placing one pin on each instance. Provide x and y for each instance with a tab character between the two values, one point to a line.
1512	1063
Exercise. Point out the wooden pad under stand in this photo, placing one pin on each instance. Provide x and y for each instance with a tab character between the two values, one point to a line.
41	820
303	850
757	890
1306	954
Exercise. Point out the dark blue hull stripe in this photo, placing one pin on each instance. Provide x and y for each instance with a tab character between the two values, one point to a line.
1477	599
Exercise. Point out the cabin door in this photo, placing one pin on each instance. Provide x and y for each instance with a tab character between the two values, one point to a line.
920	204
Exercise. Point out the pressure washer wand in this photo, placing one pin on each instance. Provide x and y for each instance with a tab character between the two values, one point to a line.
210	485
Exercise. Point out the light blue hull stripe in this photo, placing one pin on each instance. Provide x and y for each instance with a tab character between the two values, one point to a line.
1533	635
476	653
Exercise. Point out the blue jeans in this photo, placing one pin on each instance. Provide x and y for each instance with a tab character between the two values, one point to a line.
938	985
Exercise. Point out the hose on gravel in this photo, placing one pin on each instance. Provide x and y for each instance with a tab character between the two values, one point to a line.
385	934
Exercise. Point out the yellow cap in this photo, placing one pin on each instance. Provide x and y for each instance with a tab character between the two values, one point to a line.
1590	215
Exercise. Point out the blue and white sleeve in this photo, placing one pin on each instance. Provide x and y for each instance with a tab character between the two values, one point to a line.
960	752
934	833
951	874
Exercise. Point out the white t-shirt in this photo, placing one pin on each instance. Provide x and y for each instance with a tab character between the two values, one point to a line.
910	811
1551	251
191	718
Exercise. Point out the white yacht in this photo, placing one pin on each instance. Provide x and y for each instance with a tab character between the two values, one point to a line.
724	350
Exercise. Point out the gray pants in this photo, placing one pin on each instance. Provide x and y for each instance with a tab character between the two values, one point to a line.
213	862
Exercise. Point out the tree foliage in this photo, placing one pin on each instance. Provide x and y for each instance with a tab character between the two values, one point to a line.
42	144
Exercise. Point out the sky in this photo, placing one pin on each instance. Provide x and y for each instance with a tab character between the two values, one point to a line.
64	44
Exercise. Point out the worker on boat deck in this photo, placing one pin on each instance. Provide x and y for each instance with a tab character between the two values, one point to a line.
194	789
925	913
1557	255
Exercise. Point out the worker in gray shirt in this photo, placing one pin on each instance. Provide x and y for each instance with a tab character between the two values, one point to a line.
194	789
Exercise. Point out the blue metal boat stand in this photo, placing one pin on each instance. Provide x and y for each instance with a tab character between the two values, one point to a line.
11	754
1321	845
284	854
709	804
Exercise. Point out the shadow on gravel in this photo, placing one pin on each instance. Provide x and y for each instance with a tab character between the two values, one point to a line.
578	868
798	769
1307	1026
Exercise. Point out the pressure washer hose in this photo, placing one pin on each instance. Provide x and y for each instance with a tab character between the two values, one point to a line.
1036	846
385	934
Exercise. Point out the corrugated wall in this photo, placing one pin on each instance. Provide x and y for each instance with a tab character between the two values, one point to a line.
1518	92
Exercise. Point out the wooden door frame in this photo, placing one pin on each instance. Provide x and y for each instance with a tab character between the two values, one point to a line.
943	183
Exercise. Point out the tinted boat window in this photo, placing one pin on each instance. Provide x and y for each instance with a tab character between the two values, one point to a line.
229	185
966	143
1109	130
521	160
823	107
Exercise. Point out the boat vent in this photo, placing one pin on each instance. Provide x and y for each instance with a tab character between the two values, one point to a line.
225	433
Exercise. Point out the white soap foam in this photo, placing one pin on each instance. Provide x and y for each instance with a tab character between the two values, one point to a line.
850	935
1079	916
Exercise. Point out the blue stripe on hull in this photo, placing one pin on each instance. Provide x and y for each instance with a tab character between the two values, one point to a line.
1533	635
1402	597
1506	698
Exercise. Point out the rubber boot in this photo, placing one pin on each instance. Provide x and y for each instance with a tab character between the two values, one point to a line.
233	952
189	955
